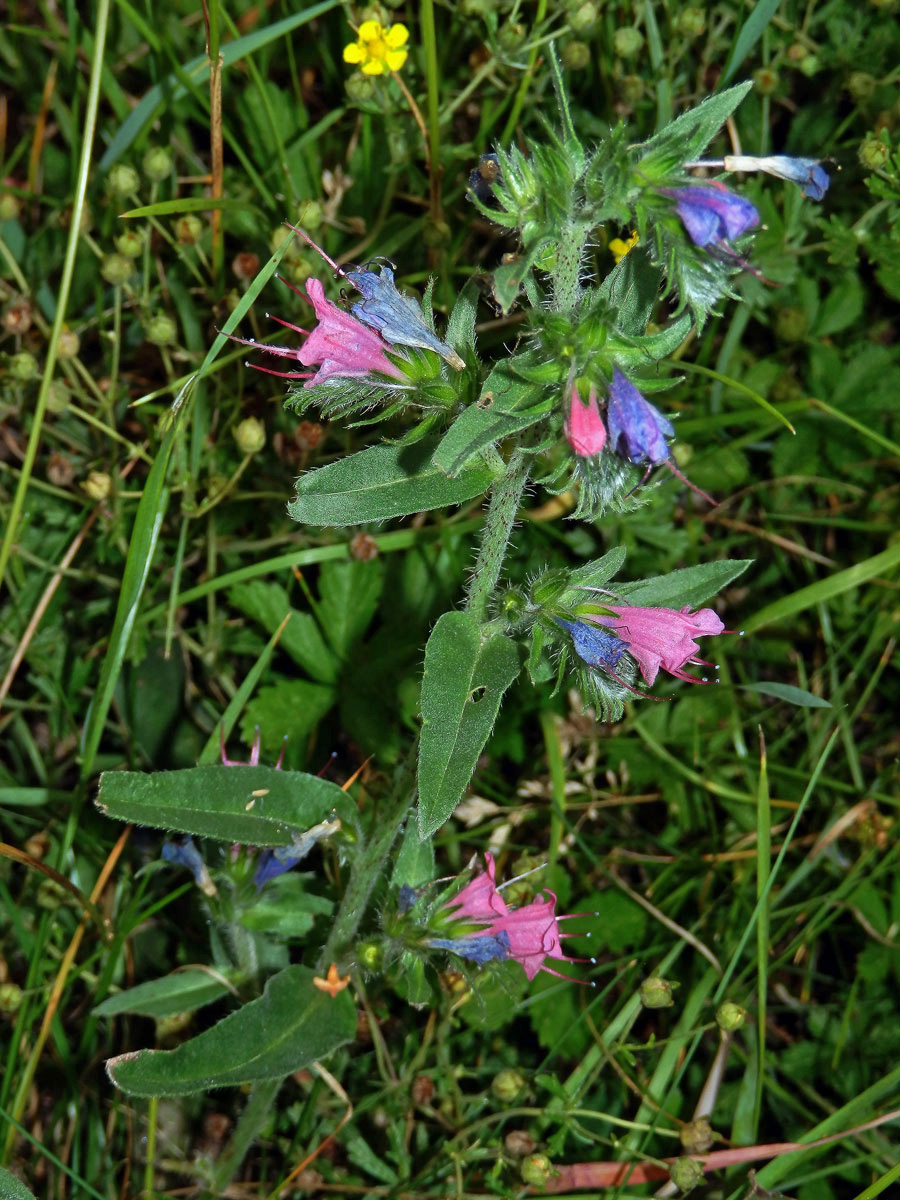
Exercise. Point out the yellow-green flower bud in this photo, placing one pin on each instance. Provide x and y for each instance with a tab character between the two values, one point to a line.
696	1136
58	397
370	955
576	55
583	17
98	485
766	81
157	164
507	1085
360	89
10	207
11	996
730	1016
68	345
161	330
628	41
535	1170
691	22
116	269
250	435
122	179
130	242
686	1173
188	229
23	366
874	153
656	992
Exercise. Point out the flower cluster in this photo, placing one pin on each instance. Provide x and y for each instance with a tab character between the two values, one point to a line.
654	637
483	928
634	428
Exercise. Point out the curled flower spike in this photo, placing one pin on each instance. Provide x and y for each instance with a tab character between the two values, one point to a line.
584	428
662	637
378	48
711	214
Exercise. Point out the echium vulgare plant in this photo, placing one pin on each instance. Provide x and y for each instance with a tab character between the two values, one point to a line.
567	409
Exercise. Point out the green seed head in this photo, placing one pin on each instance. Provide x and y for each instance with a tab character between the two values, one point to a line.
23	366
123	180
576	55
160	330
58	396
656	993
157	164
507	1085
628	42
188	229
686	1173
250	435
116	269
68	345
535	1170
130	242
874	153
730	1016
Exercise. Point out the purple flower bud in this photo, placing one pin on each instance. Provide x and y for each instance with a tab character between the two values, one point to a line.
397	318
481	948
184	853
637	430
712	214
594	646
807	173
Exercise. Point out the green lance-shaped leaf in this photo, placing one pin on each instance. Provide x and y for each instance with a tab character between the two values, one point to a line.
688	135
691	585
183	991
465	677
260	806
290	1026
508	405
383	481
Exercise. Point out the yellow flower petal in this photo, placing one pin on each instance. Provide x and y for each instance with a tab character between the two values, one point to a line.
373	67
396	36
353	53
395	59
370	30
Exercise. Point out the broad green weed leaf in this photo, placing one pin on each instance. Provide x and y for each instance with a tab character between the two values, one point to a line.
382	482
261	806
290	709
292	1025
12	1188
183	991
788	693
465	677
302	639
349	594
690	585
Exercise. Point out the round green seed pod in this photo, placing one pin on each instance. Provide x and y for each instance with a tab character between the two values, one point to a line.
686	1173
22	367
123	180
130	242
535	1170
507	1085
576	55
656	993
116	269
157	164
161	330
628	41
250	435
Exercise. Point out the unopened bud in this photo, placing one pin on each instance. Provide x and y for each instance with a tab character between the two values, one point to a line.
68	345
370	955
250	435
122	179
730	1016
583	17
507	1084
188	229
130	242
686	1173
245	265
58	396
691	22
518	1143
696	1136
10	207
512	34
157	164
656	992
766	81
576	55
23	366
874	153
98	485
11	996
161	330
628	41
535	1170
116	269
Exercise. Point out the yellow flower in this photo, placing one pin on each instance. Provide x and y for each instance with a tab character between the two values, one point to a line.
619	249
377	48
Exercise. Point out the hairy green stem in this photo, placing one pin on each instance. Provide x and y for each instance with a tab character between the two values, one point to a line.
505	497
370	862
256	1112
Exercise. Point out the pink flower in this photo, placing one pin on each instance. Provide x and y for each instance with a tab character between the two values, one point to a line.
534	935
662	637
479	900
340	343
584	428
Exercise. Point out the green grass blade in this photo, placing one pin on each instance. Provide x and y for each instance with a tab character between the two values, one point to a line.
825	589
763	864
748	35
